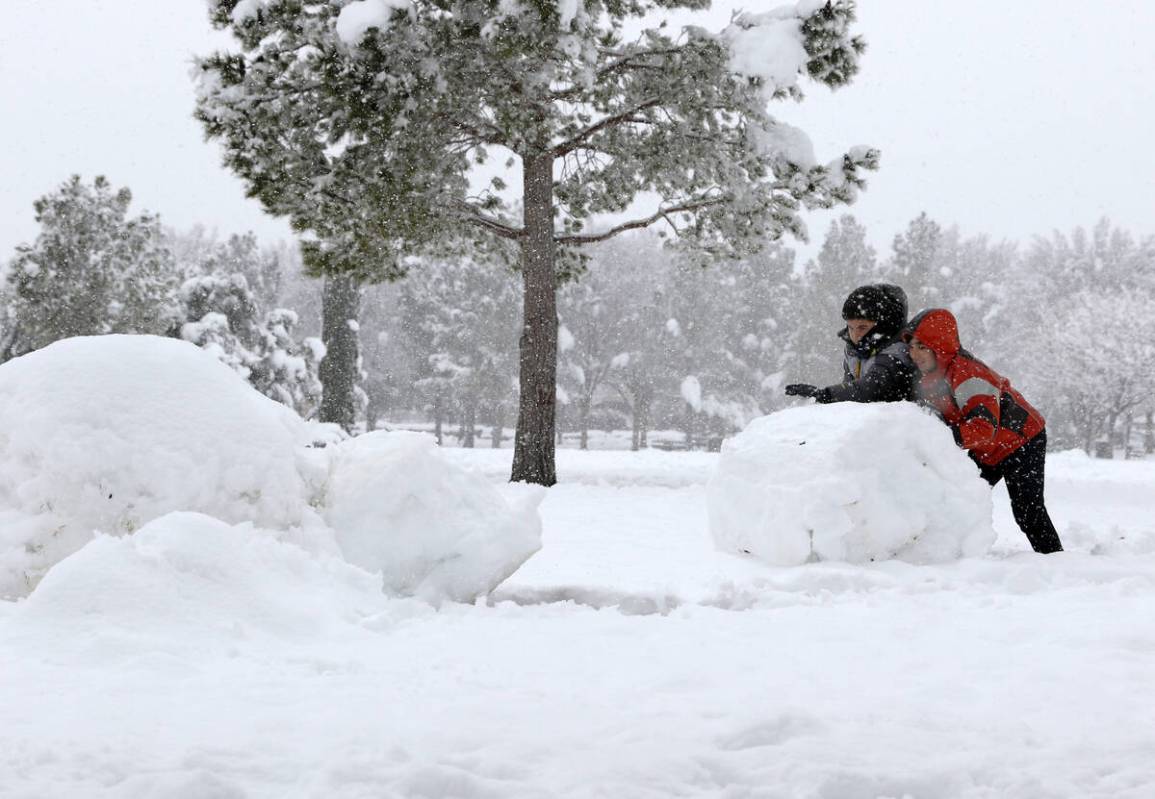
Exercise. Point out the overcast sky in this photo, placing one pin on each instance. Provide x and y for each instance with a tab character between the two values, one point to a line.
1006	117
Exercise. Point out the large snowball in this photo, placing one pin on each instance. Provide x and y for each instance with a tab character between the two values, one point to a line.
433	530
848	482
107	433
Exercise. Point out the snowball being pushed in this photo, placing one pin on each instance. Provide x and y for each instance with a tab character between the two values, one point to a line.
109	432
433	530
849	482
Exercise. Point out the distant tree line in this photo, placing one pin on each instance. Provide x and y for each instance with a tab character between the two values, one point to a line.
651	336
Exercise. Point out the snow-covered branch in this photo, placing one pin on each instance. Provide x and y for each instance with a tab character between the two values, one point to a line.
661	213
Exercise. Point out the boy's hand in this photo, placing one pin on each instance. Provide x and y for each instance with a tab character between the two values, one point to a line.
801	390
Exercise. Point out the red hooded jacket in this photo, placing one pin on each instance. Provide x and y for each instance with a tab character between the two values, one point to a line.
989	418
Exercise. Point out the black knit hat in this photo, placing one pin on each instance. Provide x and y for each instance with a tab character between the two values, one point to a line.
881	303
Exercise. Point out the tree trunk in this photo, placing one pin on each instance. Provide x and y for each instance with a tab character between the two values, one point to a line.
1128	426
8	341
1112	422
635	429
584	423
495	438
643	420
1149	435
533	451
438	418
469	424
340	369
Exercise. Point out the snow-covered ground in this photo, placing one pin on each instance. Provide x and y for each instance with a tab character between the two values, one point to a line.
628	658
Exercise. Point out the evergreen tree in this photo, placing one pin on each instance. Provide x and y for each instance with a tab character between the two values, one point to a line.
219	312
91	270
465	311
845	262
361	122
915	263
1104	341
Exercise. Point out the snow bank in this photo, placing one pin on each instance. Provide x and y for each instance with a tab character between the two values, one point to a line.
432	529
848	482
107	433
194	580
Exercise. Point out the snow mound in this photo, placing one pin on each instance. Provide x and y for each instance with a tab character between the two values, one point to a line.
189	578
433	530
848	482
109	432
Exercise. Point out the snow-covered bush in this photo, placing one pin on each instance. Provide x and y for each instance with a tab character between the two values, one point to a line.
849	482
220	313
432	529
108	432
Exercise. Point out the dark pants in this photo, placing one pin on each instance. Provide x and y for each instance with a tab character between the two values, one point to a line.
1023	471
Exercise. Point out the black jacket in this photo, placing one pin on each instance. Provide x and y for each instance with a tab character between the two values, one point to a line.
877	369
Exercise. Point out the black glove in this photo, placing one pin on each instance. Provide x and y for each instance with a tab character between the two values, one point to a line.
801	390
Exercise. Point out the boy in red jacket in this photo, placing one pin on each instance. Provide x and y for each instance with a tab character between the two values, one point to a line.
1001	432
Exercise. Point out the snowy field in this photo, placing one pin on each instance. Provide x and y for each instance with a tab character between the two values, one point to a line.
627	658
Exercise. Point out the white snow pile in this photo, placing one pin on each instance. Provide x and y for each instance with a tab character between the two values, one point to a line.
432	530
105	434
187	579
849	482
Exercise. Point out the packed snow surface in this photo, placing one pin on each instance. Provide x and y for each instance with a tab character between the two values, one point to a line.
849	482
106	434
629	658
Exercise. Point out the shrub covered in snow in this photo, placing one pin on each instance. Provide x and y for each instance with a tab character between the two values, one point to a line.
848	482
432	529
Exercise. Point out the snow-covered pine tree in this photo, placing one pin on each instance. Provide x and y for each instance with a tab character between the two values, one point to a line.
844	262
464	311
757	332
915	263
638	276
1087	397
593	313
91	270
363	120
219	312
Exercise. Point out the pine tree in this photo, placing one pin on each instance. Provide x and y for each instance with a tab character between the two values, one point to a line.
915	263
219	312
845	262
464	311
91	270
362	122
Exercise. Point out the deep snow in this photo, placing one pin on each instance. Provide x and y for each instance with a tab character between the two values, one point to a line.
628	658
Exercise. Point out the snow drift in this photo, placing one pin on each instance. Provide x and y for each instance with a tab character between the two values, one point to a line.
848	482
107	433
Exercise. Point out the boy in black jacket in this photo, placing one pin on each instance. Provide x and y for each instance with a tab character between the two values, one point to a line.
876	365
